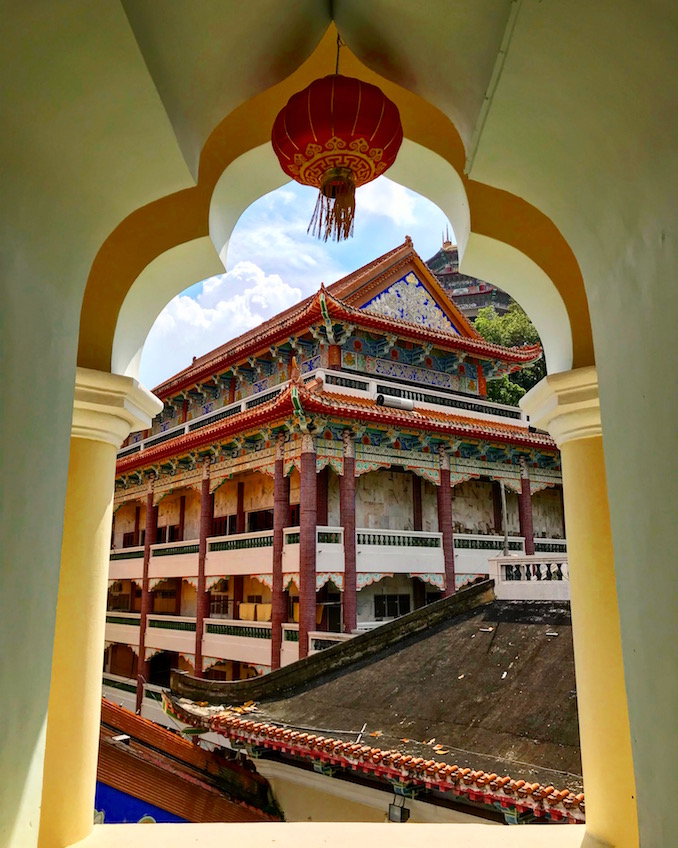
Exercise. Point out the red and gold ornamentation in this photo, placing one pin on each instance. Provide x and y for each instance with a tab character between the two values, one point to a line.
336	135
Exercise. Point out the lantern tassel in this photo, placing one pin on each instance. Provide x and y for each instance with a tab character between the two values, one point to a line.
335	208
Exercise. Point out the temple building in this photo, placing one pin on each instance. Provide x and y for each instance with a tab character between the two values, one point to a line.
467	293
337	467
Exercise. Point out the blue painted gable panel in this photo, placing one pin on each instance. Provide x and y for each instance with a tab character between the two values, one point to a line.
409	300
120	808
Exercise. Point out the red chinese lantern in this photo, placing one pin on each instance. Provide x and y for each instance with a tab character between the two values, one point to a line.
336	135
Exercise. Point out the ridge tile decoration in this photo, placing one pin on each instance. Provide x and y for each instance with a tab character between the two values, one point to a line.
408	300
405	770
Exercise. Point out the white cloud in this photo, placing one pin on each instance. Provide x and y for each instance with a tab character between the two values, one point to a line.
383	197
273	263
228	305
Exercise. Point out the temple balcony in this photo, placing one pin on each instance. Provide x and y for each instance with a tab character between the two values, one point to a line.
174	633
289	652
240	553
384	551
345	382
122	627
329	550
240	640
541	577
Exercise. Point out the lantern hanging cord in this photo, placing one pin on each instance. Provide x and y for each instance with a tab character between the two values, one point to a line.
340	44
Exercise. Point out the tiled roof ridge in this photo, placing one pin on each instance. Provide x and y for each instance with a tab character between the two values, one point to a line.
478	785
433	420
292	311
519	354
313	397
204	435
365	270
278	324
188	769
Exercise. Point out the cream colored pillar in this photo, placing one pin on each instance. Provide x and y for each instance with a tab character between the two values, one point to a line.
107	408
567	406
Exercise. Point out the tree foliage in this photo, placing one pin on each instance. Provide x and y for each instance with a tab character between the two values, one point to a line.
513	329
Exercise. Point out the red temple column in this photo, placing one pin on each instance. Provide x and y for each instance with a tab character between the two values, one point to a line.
417	519
146	605
307	542
281	508
347	520
525	508
202	605
182	518
445	522
137	525
323	482
498	515
240	508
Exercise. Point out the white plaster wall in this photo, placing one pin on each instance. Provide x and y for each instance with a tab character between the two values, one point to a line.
226	499
547	514
169	509
472	510
429	506
333	505
192	515
399	584
124	522
383	501
295	486
258	492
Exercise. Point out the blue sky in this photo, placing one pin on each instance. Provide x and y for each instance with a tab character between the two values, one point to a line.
272	263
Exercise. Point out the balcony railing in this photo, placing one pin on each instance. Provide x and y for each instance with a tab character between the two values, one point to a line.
241	629
345	382
537	577
128	553
321	640
399	539
241	541
174	548
129	619
172	622
477	542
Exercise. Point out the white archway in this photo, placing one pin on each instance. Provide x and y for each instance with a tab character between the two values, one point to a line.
257	173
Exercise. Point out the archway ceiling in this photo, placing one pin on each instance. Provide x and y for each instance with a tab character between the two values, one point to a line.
206	60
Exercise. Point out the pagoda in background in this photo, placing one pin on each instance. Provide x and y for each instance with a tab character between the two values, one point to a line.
468	293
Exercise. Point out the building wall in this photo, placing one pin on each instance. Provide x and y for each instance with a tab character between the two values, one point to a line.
226	499
399	584
547	511
189	599
383	501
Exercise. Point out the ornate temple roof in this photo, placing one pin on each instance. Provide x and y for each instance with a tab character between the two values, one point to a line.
480	705
298	399
349	300
161	768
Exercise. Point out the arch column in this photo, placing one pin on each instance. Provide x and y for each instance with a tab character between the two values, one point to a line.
567	406
107	408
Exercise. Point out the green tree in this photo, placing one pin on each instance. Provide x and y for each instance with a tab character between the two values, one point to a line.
513	329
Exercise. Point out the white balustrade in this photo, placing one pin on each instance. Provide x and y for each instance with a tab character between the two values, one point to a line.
537	577
319	640
240	553
243	641
399	551
171	633
122	627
